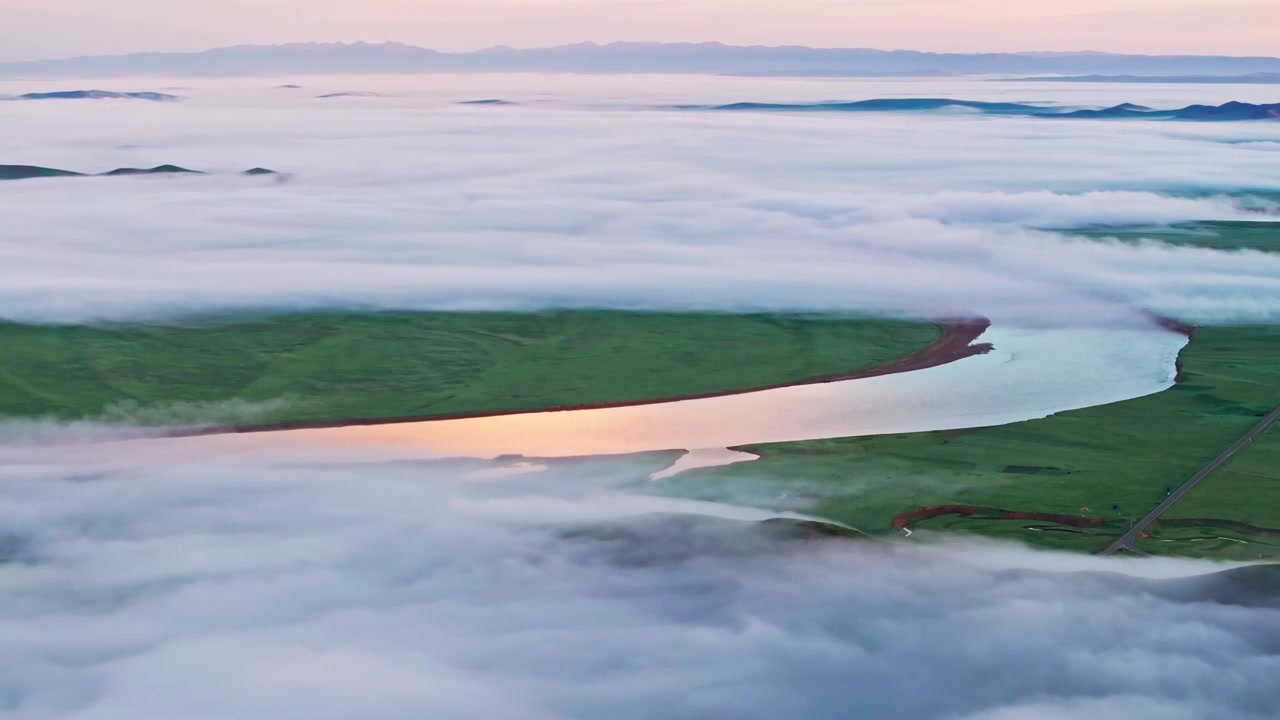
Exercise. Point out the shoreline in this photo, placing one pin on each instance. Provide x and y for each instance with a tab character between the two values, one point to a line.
1180	374
958	340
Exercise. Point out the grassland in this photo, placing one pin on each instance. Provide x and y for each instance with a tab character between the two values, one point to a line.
1073	481
1233	514
387	365
1104	466
1224	235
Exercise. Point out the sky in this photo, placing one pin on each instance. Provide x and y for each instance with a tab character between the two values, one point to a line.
37	29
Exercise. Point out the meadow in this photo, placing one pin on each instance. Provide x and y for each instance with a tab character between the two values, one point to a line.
1219	235
1105	465
1073	481
333	366
1231	515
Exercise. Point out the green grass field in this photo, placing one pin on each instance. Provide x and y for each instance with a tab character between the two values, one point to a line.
1101	468
1097	469
1232	514
1224	235
1126	454
387	365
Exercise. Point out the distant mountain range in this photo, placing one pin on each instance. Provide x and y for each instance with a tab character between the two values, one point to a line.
1229	112
1266	78
94	95
717	58
28	172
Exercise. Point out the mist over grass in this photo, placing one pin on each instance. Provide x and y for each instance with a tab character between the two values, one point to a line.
342	585
132	419
577	198
159	581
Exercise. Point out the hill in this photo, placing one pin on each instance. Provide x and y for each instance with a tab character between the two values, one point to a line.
1229	112
94	95
27	172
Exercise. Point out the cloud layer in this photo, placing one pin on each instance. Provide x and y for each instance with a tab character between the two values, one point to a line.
272	585
154	581
573	200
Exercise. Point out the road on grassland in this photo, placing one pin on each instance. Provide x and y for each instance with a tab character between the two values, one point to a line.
1128	543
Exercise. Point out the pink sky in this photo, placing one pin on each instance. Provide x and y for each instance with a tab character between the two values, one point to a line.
56	28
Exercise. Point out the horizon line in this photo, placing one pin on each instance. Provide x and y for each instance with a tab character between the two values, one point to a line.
616	43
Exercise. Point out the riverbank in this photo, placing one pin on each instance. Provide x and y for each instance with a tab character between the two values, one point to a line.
957	341
1102	467
328	368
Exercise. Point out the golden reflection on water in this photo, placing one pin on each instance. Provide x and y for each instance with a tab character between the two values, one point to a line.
788	413
1031	374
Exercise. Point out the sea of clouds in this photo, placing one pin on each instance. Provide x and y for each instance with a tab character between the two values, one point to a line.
285	584
275	585
587	194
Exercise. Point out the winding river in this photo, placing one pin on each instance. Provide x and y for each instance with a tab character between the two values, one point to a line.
1030	373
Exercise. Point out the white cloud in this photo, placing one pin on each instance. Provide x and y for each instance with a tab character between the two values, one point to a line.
324	584
272	585
409	202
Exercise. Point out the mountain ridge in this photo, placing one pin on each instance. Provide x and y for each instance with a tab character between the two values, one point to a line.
91	95
624	57
30	172
1228	112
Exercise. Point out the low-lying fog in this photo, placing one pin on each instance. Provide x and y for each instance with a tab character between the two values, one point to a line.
278	586
587	195
305	584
